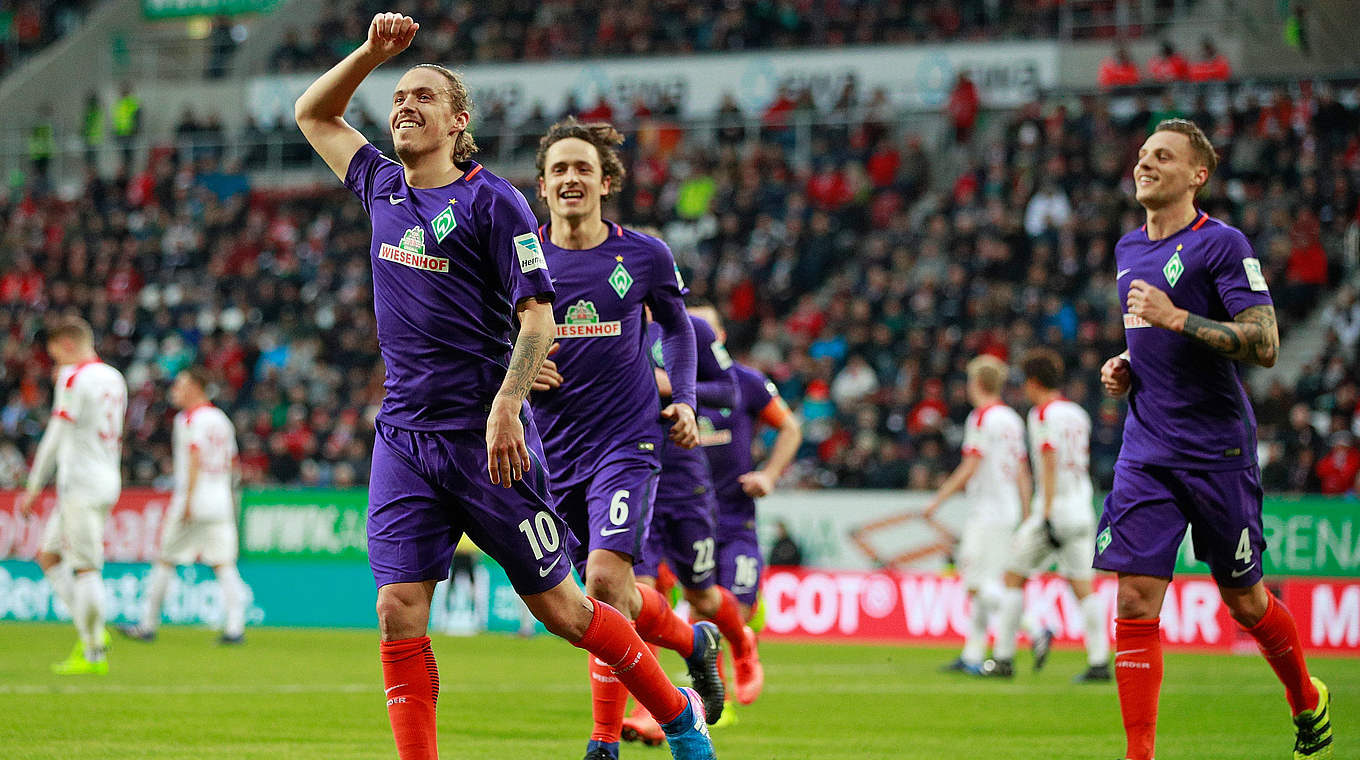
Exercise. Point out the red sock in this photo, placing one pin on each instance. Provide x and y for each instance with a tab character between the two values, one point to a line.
729	623
657	623
412	680
1138	673
607	700
610	638
1278	638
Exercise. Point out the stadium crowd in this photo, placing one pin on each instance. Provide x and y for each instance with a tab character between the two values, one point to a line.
511	30
27	26
861	280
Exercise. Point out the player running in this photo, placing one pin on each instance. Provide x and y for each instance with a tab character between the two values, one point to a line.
684	517
995	479
455	262
1196	303
727	434
597	403
1062	525
83	443
200	525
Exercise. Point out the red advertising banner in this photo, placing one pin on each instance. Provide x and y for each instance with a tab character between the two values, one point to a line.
901	607
131	534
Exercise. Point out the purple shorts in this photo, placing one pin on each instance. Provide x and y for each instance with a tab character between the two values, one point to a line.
427	489
612	508
739	562
682	534
1148	509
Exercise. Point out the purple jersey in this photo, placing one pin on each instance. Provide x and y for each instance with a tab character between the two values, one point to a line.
726	435
1187	406
685	472
608	398
449	265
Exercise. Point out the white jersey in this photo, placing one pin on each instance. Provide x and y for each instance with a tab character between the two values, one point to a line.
208	431
1064	428
92	399
997	434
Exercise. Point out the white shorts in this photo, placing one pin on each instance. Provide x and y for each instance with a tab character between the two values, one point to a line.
76	532
212	542
1031	551
982	553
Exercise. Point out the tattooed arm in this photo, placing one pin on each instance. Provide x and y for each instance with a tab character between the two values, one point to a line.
1251	337
507	456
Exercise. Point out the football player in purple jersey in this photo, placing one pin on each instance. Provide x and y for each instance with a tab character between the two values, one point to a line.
1196	304
456	264
597	405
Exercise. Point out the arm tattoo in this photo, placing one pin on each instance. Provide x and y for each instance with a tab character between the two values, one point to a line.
530	351
1251	337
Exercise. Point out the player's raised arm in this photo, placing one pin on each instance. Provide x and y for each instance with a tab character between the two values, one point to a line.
320	110
507	455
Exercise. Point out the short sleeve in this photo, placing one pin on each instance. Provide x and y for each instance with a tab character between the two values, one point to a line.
1237	274
369	171
1039	432
973	440
756	392
65	401
513	245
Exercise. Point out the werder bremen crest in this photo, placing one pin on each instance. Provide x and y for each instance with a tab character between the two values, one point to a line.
444	223
620	280
582	312
1174	267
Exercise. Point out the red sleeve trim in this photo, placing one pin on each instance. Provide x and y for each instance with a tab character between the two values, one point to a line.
775	413
1046	446
972	450
65	415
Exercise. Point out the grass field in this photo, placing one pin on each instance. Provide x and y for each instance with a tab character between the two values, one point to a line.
318	694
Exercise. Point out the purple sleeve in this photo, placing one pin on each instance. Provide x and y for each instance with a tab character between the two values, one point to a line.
1237	273
513	244
368	170
756	392
713	386
677	341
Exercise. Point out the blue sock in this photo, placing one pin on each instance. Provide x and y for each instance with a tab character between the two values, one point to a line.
611	747
683	722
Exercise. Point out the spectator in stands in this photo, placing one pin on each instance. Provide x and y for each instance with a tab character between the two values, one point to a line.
93	127
1342	318
1118	70
963	106
1169	65
784	552
1212	65
127	123
1338	469
1048	209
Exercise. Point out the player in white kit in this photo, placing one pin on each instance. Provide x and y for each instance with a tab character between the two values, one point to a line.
1062	526
83	443
200	524
994	476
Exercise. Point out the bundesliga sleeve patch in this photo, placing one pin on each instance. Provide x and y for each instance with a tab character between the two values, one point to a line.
1255	279
529	253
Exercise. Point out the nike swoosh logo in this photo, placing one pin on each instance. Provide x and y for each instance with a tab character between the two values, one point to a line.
1123	272
394	200
1243	571
612	531
389	689
1129	651
543	571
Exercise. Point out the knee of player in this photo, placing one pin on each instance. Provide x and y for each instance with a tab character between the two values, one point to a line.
401	615
705	602
1135	603
1247	606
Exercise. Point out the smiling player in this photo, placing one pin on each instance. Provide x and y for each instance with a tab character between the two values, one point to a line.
597	405
1196	303
455	262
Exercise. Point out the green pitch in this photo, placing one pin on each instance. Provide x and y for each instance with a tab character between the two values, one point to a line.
318	694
